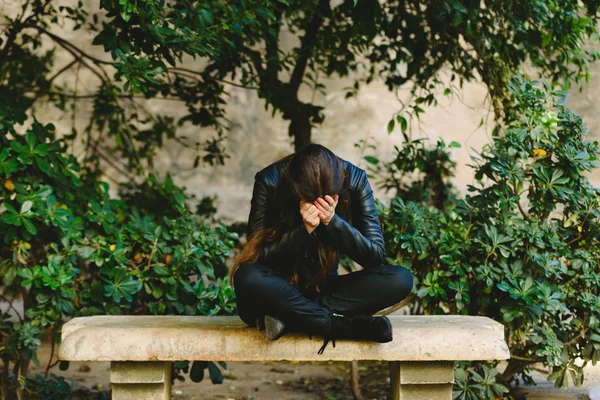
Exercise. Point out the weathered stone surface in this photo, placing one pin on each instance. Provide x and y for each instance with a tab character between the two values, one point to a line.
148	391
426	372
140	380
139	372
170	338
425	392
428	380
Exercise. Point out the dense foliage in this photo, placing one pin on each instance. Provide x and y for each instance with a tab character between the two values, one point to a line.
522	248
68	249
248	44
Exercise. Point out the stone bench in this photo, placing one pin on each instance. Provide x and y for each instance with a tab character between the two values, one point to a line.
141	349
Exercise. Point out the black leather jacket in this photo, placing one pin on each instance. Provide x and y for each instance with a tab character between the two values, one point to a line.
362	240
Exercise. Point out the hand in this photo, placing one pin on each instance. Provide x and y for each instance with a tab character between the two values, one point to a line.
326	207
310	215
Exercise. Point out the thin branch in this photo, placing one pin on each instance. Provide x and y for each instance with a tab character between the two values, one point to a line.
579	235
48	366
17	27
576	338
397	306
10	306
178	70
53	77
78	53
532	360
93	96
236	84
63	69
515	192
110	162
74	47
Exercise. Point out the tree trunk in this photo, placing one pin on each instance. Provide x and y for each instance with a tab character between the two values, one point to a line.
300	128
514	367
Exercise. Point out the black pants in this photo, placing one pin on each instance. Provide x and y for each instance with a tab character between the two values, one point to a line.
259	291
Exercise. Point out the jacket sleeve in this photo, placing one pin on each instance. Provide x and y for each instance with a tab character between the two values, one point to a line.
282	250
362	242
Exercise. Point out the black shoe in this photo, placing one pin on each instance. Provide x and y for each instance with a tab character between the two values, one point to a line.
274	328
360	327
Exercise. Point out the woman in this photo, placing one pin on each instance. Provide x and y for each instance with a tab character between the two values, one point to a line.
286	274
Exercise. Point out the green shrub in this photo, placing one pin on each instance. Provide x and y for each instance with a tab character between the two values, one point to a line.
67	249
521	248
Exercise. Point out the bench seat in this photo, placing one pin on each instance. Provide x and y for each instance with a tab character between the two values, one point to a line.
141	349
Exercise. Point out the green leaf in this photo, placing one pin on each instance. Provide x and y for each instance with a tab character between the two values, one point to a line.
197	371
164	271
371	160
18	147
215	373
390	126
11	219
25	273
125	15
26	206
403	123
85	251
31	140
29	226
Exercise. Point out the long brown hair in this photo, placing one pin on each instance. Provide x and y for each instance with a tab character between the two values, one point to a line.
312	172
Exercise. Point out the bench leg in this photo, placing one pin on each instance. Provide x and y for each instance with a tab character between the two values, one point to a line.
414	380
140	380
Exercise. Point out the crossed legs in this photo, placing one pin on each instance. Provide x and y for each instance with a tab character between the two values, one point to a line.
260	291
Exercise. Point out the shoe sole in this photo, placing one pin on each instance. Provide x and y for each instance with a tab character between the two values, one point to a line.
274	328
388	324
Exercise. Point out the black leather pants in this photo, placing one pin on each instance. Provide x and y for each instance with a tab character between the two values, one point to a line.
259	291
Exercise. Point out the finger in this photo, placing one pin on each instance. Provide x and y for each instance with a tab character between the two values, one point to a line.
314	213
330	200
313	210
336	197
324	204
313	219
321	208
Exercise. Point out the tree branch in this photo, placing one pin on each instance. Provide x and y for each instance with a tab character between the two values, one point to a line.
93	96
78	53
307	42
272	49
17	27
